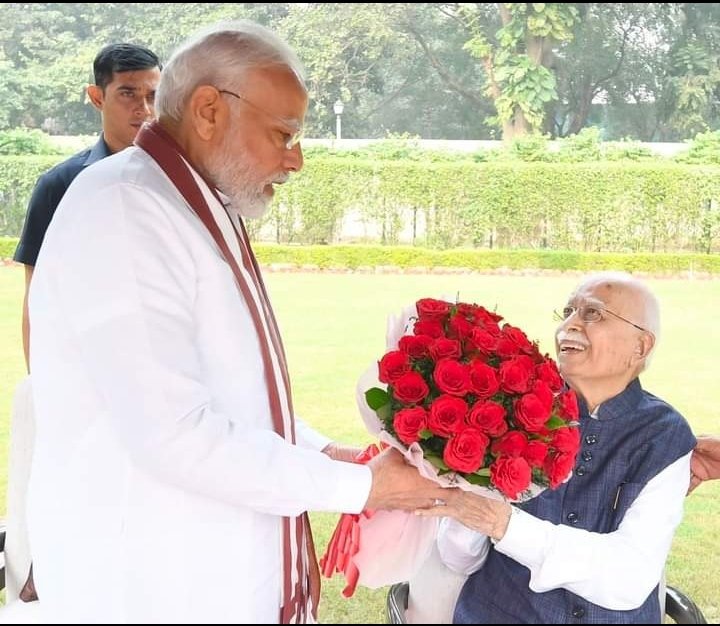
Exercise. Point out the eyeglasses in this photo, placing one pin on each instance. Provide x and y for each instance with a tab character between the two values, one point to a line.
590	314
292	138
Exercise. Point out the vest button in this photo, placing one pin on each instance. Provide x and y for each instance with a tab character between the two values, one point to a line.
580	471
587	455
591	439
578	611
572	517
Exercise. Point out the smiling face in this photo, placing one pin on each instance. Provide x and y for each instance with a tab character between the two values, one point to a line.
599	353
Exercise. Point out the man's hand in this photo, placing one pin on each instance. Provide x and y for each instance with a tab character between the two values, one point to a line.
485	515
397	485
705	461
340	452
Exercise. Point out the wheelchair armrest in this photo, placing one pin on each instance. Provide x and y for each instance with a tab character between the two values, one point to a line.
397	603
2	554
681	608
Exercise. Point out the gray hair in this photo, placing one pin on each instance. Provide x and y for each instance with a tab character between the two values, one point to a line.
220	56
650	307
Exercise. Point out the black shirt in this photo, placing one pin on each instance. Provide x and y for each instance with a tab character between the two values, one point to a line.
49	190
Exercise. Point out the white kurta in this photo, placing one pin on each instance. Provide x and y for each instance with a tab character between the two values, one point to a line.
157	481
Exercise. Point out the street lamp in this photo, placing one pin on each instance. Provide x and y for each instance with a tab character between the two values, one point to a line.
338	107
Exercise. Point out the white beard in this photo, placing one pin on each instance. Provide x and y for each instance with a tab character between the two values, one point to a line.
232	175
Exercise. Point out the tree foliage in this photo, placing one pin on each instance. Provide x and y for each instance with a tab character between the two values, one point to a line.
438	70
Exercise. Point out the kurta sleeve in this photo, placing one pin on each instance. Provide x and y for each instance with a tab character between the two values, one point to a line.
614	570
130	291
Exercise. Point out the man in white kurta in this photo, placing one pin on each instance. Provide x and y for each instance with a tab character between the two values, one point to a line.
159	483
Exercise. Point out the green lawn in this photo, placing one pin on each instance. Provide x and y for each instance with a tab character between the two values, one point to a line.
334	328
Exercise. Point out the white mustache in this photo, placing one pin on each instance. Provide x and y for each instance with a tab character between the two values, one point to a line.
573	337
283	178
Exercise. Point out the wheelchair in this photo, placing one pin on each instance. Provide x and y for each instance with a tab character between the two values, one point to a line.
678	607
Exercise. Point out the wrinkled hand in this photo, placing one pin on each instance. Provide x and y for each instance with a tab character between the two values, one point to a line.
340	452
484	515
705	461
397	485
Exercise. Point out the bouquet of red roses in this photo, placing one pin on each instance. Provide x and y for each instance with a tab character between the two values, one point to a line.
479	399
470	402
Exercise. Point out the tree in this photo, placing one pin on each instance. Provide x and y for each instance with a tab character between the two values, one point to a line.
516	57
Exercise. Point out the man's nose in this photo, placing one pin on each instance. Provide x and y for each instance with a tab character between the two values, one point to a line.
294	159
146	108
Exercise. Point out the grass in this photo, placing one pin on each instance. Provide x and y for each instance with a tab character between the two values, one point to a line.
334	327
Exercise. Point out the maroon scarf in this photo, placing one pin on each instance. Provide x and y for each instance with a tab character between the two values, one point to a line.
156	141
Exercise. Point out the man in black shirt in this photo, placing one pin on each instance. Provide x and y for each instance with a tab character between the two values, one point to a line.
126	77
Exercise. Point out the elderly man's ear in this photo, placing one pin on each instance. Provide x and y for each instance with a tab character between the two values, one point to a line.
645	344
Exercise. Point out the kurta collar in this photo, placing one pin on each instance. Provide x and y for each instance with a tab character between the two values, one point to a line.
621	405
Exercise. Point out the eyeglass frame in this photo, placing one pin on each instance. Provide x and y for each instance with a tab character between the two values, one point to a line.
577	309
295	137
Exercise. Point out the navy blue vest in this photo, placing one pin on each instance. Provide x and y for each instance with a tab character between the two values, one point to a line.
634	437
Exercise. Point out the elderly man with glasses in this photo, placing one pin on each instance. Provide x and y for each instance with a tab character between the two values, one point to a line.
592	551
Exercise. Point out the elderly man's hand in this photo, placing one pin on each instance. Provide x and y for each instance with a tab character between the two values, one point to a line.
484	515
397	485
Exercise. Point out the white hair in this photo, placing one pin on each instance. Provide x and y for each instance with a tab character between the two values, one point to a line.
650	313
220	55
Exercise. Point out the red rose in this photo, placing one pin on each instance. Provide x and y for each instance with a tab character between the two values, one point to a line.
489	417
511	475
447	415
506	348
544	393
558	466
548	372
566	440
465	452
431	328
392	366
410	388
459	327
452	377
417	346
429	308
443	348
535	453
516	374
519	338
409	422
468	311
483	380
568	406
482	340
510	444
488	317
531	412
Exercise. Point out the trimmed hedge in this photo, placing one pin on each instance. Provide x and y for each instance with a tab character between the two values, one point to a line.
593	206
358	256
354	257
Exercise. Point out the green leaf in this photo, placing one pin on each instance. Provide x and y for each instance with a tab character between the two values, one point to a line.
555	422
437	462
377	398
475	479
425	434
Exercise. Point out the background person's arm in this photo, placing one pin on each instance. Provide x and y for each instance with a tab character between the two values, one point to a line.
25	317
705	462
